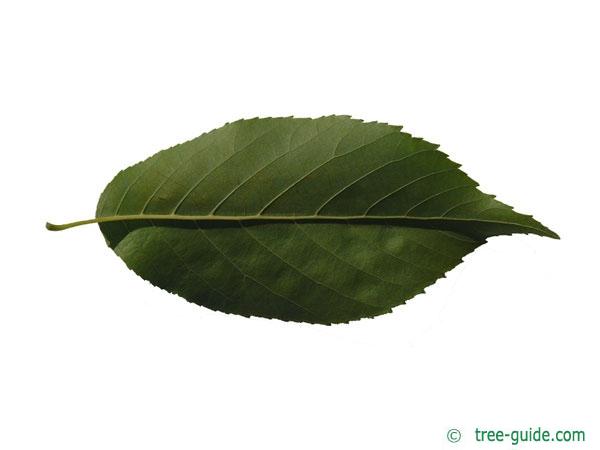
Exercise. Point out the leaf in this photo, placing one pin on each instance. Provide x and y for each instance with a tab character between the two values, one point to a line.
313	220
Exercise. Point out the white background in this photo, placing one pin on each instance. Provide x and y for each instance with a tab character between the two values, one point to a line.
93	357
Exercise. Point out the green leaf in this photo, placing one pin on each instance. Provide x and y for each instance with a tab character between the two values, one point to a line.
314	220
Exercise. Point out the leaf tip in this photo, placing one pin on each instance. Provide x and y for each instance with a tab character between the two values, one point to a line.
546	232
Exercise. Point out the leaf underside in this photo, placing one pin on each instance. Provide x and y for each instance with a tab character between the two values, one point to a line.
313	220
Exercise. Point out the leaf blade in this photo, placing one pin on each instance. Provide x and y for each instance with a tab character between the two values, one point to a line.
204	184
318	220
262	270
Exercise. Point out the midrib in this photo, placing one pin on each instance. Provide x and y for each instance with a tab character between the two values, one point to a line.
272	218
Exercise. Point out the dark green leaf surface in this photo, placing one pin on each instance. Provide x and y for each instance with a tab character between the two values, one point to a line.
316	220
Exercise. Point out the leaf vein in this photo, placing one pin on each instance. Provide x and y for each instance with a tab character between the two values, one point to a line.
286	153
305	176
244	274
355	300
185	265
193	188
395	191
437	194
341	191
464	204
335	255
